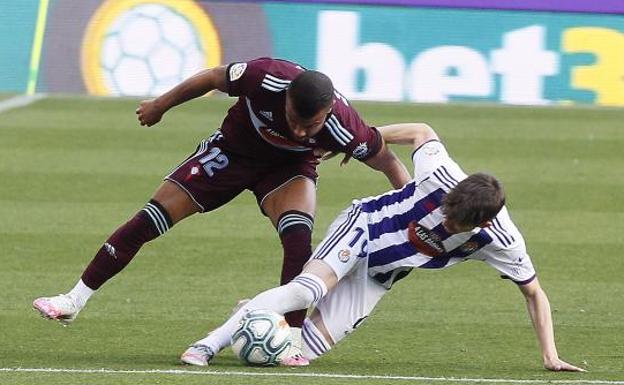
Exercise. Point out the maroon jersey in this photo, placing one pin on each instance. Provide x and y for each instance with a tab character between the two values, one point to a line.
256	128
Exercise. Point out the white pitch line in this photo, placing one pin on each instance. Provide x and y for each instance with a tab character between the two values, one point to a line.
314	375
19	101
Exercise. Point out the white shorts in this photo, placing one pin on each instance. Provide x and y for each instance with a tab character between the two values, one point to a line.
344	249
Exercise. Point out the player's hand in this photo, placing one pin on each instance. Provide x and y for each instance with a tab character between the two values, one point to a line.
558	365
149	112
322	155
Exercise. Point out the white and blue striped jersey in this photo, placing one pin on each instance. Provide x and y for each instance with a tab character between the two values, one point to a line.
391	255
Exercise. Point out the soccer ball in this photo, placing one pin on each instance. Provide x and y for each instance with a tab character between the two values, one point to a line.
262	338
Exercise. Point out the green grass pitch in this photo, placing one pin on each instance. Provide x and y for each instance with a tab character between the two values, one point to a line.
73	169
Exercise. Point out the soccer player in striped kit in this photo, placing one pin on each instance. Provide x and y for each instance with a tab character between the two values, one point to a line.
268	143
440	218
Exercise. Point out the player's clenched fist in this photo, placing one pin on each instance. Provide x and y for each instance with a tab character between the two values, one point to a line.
149	112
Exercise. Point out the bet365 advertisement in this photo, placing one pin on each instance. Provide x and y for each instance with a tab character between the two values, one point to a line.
385	53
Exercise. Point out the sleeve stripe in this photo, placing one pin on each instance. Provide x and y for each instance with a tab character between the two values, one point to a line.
274	84
449	176
272	88
346	132
339	133
498	229
438	176
278	81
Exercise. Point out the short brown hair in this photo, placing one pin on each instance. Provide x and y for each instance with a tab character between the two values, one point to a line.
474	200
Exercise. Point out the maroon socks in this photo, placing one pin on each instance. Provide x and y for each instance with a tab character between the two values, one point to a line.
295	231
119	249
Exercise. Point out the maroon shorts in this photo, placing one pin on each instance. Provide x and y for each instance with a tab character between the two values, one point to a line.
212	177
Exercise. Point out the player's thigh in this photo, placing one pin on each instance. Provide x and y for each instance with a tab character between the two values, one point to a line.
287	188
345	242
344	308
211	177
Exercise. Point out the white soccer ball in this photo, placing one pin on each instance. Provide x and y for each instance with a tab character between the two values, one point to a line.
262	338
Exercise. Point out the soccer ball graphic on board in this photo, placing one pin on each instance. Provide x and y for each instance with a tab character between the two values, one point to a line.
145	47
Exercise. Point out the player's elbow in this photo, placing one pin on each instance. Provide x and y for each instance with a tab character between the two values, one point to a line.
407	133
421	133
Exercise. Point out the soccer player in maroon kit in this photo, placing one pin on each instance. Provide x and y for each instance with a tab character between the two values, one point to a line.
269	143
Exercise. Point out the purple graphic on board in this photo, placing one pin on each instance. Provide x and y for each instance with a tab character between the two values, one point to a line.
588	6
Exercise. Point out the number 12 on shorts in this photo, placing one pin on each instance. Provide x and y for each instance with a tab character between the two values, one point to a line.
214	160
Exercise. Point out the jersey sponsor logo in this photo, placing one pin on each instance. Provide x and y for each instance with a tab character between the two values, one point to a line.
424	240
237	70
360	151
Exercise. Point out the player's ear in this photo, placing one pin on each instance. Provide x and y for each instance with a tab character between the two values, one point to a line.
485	224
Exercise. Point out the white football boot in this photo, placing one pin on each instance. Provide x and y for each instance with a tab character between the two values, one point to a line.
198	355
295	355
61	308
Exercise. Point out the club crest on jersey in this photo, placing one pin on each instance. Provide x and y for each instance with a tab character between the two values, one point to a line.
237	70
360	151
469	247
344	255
424	240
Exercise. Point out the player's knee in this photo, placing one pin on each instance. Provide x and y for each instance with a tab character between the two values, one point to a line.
308	289
176	202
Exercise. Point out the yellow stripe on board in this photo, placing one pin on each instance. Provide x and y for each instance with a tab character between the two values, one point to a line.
35	55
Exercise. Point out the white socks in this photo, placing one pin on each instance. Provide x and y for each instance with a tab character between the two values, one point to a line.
300	293
81	294
314	343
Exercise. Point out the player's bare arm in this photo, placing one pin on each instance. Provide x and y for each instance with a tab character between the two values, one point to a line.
414	134
388	163
151	111
539	310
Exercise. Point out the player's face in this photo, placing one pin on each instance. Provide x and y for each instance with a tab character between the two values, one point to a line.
302	129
